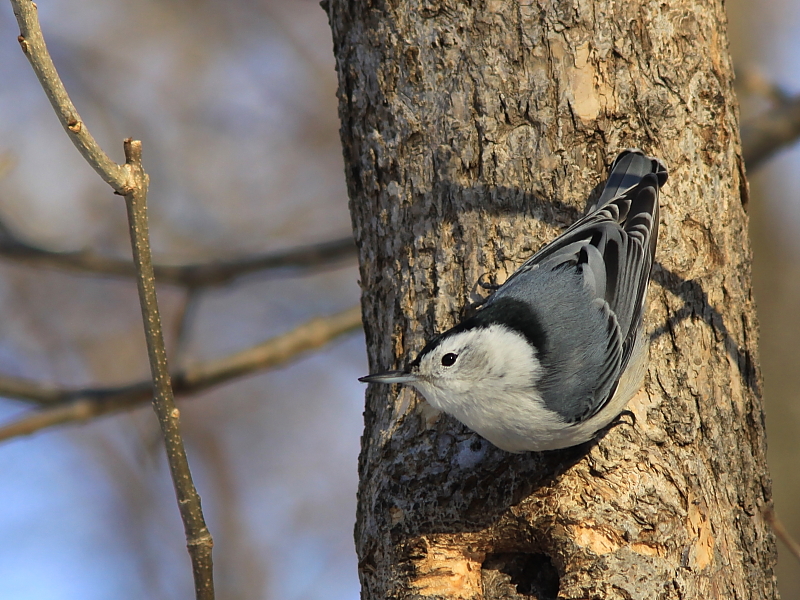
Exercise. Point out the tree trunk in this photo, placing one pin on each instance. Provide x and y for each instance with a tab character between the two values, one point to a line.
474	132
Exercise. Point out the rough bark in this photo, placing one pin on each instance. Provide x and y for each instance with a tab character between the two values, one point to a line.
473	132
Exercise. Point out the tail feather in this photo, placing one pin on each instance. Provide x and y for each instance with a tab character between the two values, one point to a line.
629	168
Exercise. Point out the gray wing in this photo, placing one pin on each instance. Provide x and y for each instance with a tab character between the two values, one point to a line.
609	254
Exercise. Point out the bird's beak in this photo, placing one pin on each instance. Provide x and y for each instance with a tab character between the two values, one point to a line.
390	377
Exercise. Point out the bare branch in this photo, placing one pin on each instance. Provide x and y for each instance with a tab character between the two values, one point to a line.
780	531
319	255
131	181
69	406
32	43
118	177
198	538
309	336
30	391
89	404
210	274
764	135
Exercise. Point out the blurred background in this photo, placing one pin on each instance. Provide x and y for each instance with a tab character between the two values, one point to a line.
235	102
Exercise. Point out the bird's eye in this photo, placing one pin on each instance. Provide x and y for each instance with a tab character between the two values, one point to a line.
449	359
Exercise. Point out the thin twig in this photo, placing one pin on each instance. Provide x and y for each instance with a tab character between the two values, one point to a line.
780	531
304	258
309	336
31	391
69	406
131	181
32	43
198	538
200	274
84	408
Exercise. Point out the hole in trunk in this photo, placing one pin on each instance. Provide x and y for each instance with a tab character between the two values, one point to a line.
515	576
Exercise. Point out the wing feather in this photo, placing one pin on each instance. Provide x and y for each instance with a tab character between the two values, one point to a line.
613	248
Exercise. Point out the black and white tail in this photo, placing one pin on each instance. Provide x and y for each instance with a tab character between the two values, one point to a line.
628	170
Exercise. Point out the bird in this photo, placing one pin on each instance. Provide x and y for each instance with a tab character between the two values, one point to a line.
555	353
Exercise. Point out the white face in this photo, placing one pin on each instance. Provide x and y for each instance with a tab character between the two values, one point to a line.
476	366
487	379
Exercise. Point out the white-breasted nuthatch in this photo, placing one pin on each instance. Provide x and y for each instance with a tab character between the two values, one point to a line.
556	353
